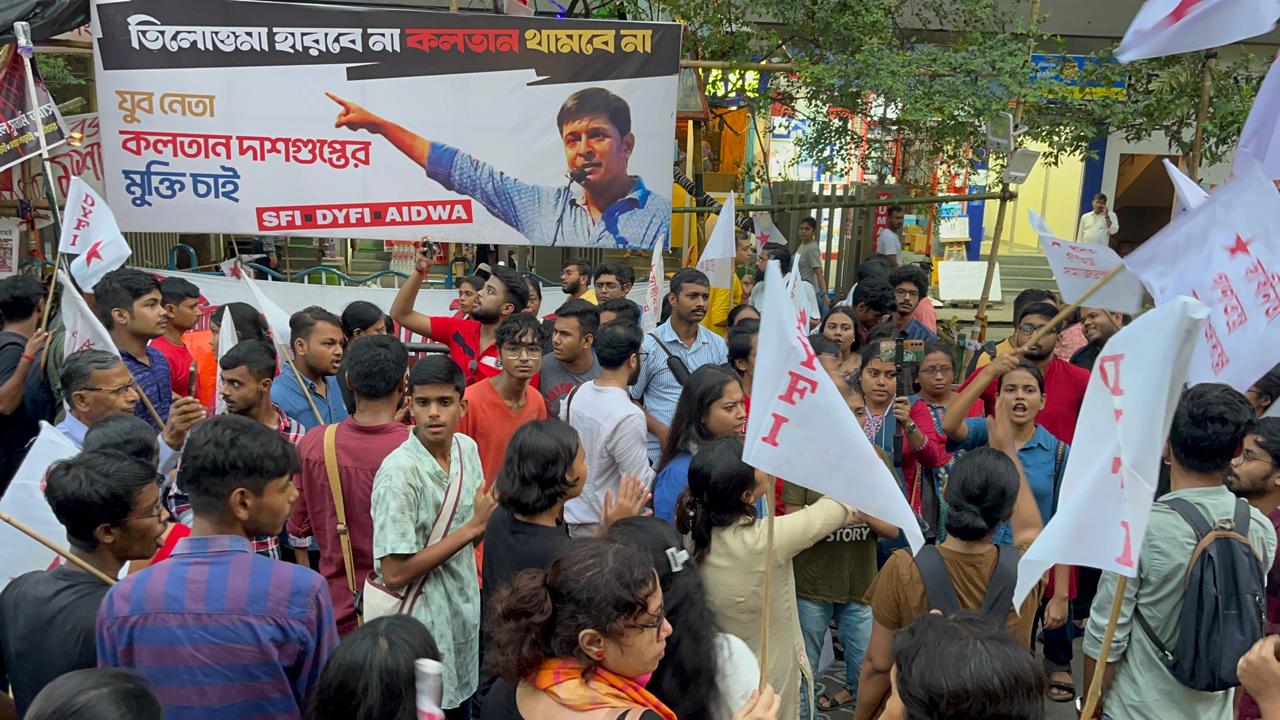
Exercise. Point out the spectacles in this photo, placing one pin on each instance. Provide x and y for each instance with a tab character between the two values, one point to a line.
1030	329
655	625
1251	456
939	371
158	512
117	390
608	286
905	293
522	351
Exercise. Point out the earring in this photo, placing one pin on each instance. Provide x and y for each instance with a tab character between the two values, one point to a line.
600	655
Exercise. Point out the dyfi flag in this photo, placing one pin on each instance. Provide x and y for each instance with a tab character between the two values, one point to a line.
86	219
652	309
101	245
1260	139
277	318
1169	27
25	501
800	427
717	261
1187	193
84	330
1111	475
1225	253
227	339
1077	266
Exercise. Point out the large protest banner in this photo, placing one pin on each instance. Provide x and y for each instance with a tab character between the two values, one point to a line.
20	121
281	118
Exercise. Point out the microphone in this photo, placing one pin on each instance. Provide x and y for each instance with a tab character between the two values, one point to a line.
577	175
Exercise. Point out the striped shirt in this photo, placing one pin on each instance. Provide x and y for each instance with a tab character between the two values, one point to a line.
219	632
155	381
656	387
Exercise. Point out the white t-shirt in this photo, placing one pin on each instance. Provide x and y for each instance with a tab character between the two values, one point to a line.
1093	228
613	437
888	243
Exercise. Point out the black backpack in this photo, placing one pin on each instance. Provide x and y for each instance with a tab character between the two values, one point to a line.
1223	602
942	592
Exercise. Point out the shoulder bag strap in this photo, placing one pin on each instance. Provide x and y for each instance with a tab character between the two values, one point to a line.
1196	520
439	528
335	488
677	367
1241	519
568	404
999	598
938	587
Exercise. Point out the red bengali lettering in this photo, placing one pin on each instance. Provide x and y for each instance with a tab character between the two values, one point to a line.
1232	308
1266	286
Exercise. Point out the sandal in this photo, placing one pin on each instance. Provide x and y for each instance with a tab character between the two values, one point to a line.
1061	691
827	703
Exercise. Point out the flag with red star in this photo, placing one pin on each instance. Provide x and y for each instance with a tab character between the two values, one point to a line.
89	228
1169	27
1225	253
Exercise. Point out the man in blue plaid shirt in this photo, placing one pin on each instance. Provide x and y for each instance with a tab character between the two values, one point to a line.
607	209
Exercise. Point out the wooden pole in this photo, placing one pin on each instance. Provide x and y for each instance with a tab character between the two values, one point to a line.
298	376
25	530
1100	668
1065	312
1202	114
768	574
155	415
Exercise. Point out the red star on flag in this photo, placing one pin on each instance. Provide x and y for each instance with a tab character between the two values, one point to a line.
1239	247
1056	244
1181	11
93	252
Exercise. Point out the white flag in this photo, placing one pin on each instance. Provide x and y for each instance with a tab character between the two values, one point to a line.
277	318
84	330
653	292
25	501
1260	139
1169	27
1187	193
227	339
85	219
1111	475
800	427
102	251
1225	253
1077	266
718	258
766	231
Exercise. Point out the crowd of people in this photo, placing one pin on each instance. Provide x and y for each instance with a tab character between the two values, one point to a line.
558	512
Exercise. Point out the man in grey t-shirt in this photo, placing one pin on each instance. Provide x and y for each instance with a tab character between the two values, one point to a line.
572	362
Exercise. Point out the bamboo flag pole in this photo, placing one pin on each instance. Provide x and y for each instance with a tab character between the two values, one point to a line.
25	530
1066	311
155	415
297	375
768	574
1100	668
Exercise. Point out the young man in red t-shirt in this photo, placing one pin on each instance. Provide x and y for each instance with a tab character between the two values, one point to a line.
181	299
471	341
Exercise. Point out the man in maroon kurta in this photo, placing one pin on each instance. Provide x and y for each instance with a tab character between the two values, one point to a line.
377	365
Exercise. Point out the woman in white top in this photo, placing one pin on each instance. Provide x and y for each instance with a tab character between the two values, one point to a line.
718	515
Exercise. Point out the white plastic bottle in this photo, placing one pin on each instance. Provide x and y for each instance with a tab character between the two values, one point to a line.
429	683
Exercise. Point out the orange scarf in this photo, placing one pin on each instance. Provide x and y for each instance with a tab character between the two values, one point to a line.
567	683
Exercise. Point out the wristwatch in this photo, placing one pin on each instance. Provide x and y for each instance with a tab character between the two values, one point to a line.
911	427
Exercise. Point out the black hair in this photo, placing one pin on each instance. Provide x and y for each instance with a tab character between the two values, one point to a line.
846	311
360	315
940	347
874	267
596	101
19	297
963	666
475	281
125	434
981	491
79	365
435	369
896	208
688	276
779	252
248	321
1208	426
303	322
910	274
535	289
370	675
1028	367
94	488
587	315
705	386
870	351
1268	386
256	355
717	481
738	310
625	310
876	293
616	341
1100	196
175	290
812	222
1044	310
375	366
538	458
517	326
823	345
517	291
582	266
686	679
229	452
1268	431
96	694
119	289
590	584
741	339
1032	296
623	271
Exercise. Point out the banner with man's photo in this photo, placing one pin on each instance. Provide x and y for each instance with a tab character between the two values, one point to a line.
234	116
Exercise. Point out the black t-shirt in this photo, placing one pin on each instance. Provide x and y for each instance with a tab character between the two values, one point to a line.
500	703
1086	356
47	624
16	429
512	545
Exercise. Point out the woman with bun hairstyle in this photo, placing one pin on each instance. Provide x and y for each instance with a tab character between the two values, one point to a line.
579	640
727	538
986	488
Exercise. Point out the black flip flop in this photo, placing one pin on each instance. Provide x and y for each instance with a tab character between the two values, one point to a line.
1066	687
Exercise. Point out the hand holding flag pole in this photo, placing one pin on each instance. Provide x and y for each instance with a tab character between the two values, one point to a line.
1065	312
25	530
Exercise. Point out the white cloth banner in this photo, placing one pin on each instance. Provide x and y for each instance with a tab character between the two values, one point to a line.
1225	253
800	427
652	304
89	229
84	330
25	501
1169	27
1077	266
766	231
718	258
1260	139
228	338
277	318
1115	460
1187	193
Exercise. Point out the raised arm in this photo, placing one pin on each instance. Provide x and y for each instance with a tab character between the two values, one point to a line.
953	421
1026	519
402	307
353	117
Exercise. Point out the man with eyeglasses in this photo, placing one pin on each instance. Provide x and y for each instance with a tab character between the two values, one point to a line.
1064	383
109	504
496	407
613	280
909	287
97	385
